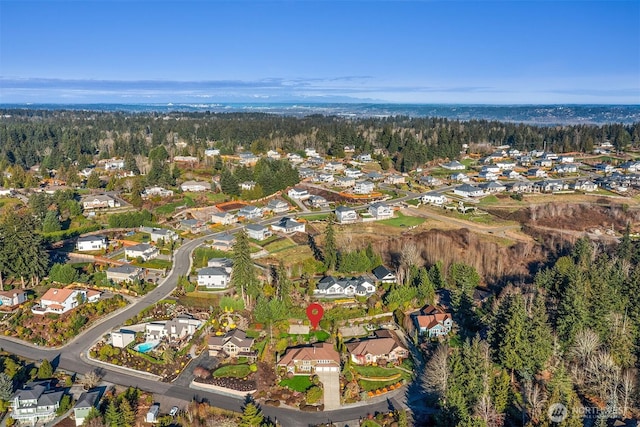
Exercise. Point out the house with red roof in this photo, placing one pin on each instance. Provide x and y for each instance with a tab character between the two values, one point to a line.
320	357
433	322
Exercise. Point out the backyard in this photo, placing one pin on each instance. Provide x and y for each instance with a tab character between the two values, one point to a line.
402	220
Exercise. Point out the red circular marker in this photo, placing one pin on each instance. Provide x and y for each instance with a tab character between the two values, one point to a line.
314	314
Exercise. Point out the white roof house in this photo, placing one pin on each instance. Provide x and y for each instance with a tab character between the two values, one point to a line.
346	215
380	210
91	243
298	193
142	250
214	278
363	187
434	198
195	186
454	165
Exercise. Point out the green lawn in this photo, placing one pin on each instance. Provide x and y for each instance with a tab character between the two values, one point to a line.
318	217
489	200
375	371
233	371
279	245
413	202
403	221
375	385
154	263
170	207
201	256
297	383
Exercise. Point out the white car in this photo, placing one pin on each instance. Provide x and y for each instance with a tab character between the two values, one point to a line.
174	411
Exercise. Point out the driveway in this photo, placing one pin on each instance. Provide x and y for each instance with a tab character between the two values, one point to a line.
331	383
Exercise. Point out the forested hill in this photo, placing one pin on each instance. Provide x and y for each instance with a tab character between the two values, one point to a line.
61	137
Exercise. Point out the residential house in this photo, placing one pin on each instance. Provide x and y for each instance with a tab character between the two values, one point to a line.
346	215
604	167
160	234
394	179
510	174
12	298
566	159
504	165
454	166
195	186
185	159
364	157
214	278
86	402
318	202
211	152
430	181
35	403
363	187
247	185
334	167
630	167
114	164
433	322
124	273
193	226
141	250
525	161
459	177
91	243
384	275
277	206
374	176
248	159
521	187
488	175
580	185
257	231
311	152
353	173
380	210
7	192
493	187
345	181
514	153
550	186
325	177
467	190
223	218
226	263
434	198
288	226
223	242
306	173
320	357
536	173
294	158
272	154
382	349
329	286
177	328
298	193
234	343
543	163
156	192
250	212
99	201
565	168
122	338
60	301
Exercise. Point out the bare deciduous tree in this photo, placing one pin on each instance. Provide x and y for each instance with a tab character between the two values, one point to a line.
484	410
627	388
91	379
436	377
535	398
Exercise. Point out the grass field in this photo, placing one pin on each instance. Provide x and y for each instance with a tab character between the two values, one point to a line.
154	263
298	383
376	371
489	200
375	385
233	371
403	221
318	217
170	207
279	245
201	256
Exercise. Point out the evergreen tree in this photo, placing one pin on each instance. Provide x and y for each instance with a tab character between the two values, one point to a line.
508	336
6	387
284	284
251	416
540	336
130	164
229	183
330	249
45	370
244	275
128	413
94	181
51	222
113	416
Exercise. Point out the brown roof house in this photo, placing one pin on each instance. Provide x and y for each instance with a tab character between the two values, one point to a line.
234	343
433	322
319	357
384	348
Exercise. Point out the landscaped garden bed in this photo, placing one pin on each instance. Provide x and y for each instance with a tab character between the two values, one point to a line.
238	384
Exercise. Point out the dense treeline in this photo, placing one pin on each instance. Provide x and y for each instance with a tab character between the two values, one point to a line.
571	337
56	139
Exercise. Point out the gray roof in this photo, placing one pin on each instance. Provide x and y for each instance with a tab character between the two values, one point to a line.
468	188
92	238
288	223
124	269
212	271
381	272
141	247
255	227
87	399
328	281
344	209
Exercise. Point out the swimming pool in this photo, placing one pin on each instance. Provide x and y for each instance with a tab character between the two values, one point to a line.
146	346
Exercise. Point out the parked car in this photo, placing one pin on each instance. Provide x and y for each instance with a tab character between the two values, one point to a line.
174	411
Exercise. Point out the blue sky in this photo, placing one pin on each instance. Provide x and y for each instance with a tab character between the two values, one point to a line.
507	52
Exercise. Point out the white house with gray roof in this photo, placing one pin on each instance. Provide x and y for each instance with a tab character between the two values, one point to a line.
467	190
35	403
214	278
329	286
124	273
346	215
257	231
142	250
288	226
91	243
380	210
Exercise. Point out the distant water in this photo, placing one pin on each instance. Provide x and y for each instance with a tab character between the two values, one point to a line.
532	114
